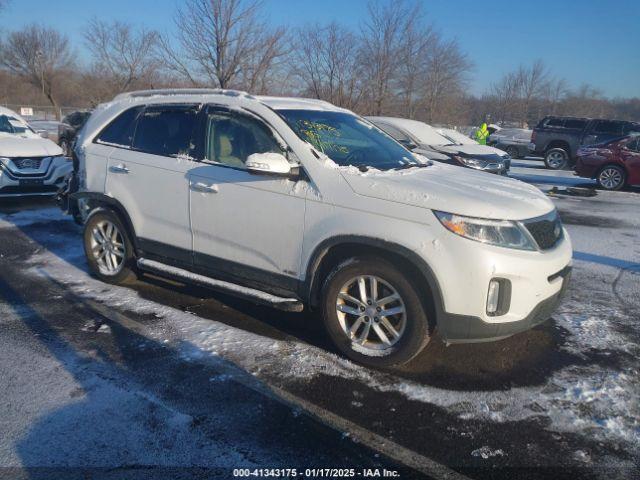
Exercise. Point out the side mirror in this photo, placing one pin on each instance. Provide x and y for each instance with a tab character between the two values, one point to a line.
269	162
43	133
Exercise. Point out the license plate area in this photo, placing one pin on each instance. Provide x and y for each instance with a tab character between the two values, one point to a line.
31	182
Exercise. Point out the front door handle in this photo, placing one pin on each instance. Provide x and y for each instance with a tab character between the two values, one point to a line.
204	187
120	168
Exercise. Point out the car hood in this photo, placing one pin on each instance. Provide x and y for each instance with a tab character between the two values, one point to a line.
17	146
470	150
453	189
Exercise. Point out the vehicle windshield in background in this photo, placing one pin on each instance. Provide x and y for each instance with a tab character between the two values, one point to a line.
348	140
13	126
457	137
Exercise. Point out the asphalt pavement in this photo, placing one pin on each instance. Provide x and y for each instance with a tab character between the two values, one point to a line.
162	380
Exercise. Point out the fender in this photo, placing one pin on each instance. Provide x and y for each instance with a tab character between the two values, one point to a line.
100	199
310	286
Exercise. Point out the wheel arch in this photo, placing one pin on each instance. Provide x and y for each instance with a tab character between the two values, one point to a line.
101	201
336	249
563	144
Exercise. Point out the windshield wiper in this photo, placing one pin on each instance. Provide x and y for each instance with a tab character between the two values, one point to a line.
412	165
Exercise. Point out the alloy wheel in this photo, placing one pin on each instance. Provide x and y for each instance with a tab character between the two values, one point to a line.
371	313
556	160
610	178
108	247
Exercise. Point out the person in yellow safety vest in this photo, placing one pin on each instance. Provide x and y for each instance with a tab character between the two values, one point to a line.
481	134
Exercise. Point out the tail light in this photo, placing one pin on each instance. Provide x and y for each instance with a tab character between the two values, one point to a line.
533	136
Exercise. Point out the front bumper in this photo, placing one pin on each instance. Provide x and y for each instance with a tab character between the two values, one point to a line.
467	329
47	184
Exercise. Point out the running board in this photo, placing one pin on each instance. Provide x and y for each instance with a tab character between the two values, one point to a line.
257	296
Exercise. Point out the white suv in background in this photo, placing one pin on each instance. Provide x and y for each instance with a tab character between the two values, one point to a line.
29	164
294	202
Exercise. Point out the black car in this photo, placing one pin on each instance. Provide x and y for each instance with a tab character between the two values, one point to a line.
557	139
69	128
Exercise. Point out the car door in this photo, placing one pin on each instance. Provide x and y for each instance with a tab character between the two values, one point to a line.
247	227
150	180
631	156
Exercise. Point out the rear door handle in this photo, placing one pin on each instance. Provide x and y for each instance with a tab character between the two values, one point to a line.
204	187
120	168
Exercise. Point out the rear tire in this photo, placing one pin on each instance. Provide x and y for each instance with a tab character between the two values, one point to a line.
108	249
612	177
556	159
355	320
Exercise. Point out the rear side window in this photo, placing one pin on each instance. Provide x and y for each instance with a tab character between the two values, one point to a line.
634	144
120	131
631	129
608	127
575	123
554	122
165	130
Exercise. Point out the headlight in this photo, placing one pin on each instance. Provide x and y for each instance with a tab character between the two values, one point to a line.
503	233
471	162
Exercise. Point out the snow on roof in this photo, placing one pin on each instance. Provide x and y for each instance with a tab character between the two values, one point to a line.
422	132
293	103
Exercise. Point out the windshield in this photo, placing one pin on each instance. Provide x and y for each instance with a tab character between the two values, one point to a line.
347	139
12	125
457	137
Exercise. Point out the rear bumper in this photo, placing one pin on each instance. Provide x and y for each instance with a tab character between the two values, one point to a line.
467	329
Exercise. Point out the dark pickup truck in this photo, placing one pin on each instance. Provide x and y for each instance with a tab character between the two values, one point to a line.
557	139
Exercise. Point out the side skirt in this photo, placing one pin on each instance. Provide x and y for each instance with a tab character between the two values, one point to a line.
252	294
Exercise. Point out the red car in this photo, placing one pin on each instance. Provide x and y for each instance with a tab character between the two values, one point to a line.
613	164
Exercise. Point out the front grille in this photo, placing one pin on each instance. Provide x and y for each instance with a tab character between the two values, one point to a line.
27	163
546	230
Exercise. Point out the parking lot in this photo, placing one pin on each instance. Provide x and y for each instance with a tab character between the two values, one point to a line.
159	375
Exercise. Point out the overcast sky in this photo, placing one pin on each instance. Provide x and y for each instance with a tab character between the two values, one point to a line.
584	41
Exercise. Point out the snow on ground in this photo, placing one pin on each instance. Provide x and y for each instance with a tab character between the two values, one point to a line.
591	399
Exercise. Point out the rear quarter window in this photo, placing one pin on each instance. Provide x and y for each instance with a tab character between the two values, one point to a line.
120	131
554	122
575	123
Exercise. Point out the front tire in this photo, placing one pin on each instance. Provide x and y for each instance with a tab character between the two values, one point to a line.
556	159
612	177
373	313
108	249
513	152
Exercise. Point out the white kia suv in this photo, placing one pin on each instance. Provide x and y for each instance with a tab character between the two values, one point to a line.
29	164
297	203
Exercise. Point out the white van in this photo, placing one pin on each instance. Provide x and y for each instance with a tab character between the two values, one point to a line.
299	204
29	164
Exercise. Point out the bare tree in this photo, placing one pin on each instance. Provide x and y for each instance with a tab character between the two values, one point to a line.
40	56
223	43
447	67
532	83
125	56
381	40
415	53
325	62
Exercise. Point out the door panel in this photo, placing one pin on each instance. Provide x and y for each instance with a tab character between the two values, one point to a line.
246	219
154	190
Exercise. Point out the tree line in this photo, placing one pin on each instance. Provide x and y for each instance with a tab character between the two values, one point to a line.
395	62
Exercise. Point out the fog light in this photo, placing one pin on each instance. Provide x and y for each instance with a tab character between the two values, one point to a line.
493	297
498	297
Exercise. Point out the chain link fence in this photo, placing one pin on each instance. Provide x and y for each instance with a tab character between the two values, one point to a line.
41	112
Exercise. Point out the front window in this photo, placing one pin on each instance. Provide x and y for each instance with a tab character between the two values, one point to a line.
347	139
231	139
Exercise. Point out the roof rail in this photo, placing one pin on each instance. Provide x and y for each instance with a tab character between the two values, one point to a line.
181	91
